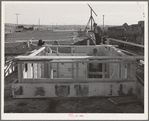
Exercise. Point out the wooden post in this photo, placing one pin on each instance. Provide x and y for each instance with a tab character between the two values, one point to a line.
29	70
129	73
56	50
71	51
49	70
72	72
15	66
133	67
107	41
32	70
120	70
87	69
123	70
38	70
35	70
20	72
76	70
43	70
88	42
107	70
57	70
103	70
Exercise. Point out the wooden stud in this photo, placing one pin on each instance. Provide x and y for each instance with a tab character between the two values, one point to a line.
133	69
107	41
107	70
38	70
103	70
49	70
120	70
129	73
123	70
57	70
35	70
87	70
71	51
20	72
57	50
77	70
72	72
43	70
29	70
32	70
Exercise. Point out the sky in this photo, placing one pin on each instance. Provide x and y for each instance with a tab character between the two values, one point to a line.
73	13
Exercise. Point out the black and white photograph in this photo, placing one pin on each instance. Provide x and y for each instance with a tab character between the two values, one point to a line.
71	60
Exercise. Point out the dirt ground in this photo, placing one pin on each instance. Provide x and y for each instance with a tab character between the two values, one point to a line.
64	105
60	105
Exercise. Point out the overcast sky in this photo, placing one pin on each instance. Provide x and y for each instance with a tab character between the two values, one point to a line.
74	13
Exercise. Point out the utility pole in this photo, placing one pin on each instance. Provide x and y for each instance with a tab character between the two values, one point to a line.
39	24
17	17
103	25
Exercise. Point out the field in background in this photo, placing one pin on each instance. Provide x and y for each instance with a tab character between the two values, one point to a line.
36	35
11	27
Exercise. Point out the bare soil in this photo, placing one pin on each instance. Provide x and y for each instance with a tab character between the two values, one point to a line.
63	105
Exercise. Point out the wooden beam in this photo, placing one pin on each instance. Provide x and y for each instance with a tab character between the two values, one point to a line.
38	51
96	73
128	43
70	80
82	46
49	58
86	61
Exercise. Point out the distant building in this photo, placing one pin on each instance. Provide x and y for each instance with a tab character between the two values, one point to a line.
19	28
